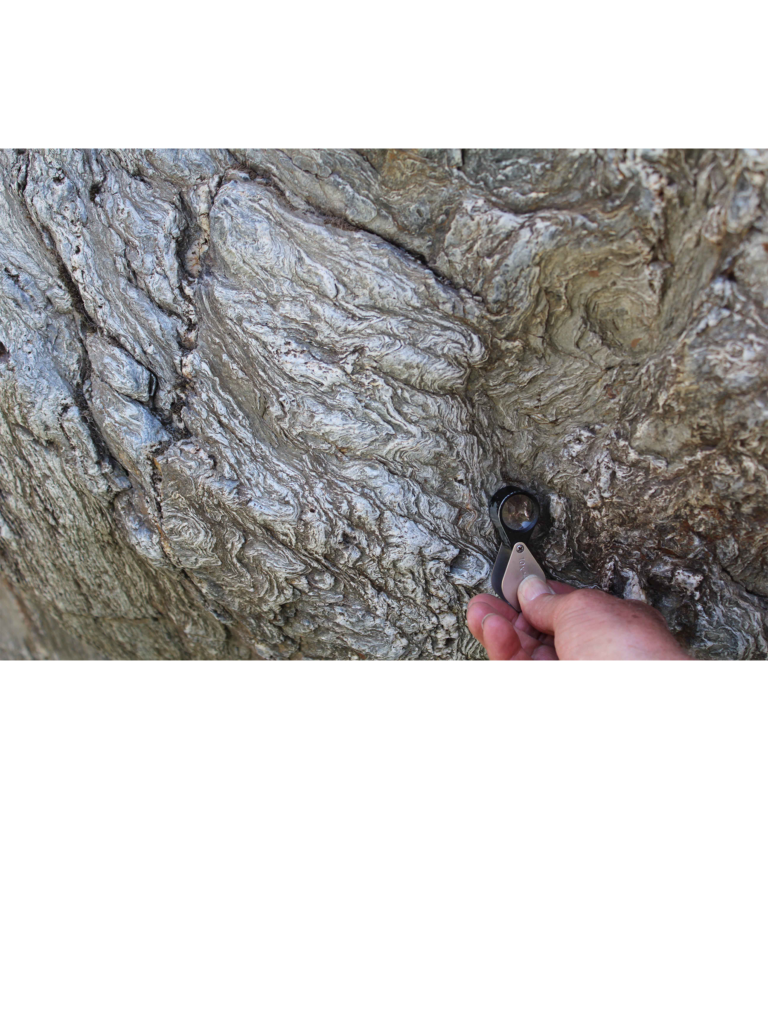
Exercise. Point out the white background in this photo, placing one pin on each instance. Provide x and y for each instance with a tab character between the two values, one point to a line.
383	842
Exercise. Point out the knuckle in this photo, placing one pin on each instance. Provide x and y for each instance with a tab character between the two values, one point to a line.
588	600
597	602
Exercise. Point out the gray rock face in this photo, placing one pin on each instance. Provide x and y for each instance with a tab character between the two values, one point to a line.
253	403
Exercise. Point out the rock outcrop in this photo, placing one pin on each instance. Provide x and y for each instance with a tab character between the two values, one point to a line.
253	403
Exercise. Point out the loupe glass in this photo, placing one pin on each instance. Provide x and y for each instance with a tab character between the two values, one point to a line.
518	512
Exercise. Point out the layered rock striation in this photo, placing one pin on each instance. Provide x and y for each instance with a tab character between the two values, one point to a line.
253	403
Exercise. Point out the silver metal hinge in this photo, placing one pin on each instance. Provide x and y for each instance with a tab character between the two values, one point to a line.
521	564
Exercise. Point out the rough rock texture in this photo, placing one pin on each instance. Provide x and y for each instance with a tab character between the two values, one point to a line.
253	403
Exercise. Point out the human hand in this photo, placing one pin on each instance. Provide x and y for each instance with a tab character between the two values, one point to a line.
558	621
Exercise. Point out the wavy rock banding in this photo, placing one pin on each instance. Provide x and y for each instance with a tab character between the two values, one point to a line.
253	403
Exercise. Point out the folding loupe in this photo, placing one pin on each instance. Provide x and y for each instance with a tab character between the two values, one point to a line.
514	513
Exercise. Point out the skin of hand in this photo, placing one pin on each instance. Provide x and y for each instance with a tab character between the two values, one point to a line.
561	622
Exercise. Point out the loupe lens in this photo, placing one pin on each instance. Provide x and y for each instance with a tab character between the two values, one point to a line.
518	512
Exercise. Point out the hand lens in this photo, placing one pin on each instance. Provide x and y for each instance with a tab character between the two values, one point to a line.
514	513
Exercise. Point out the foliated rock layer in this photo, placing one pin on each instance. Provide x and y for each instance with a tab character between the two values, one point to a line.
253	403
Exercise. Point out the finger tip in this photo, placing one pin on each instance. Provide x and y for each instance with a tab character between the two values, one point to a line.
499	637
480	605
476	612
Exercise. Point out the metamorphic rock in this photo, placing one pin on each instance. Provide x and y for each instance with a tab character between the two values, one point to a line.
253	402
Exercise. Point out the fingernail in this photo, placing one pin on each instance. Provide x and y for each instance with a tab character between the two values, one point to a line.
486	617
532	587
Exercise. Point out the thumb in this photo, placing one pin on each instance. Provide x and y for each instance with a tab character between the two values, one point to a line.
539	602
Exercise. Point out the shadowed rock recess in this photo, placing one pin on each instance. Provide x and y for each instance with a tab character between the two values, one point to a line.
253	403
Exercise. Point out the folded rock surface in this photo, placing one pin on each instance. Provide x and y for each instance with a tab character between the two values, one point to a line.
253	403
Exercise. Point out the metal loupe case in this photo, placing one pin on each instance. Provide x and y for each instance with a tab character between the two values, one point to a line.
514	513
